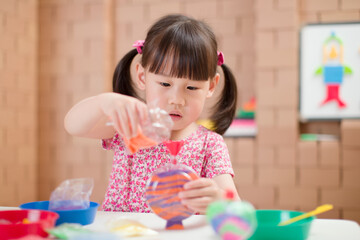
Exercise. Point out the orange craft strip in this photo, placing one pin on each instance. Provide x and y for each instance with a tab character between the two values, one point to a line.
139	142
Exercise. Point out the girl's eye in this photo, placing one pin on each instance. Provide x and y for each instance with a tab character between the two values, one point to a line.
164	84
192	88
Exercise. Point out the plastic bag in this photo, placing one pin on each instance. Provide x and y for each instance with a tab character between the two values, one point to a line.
154	131
68	230
72	194
78	232
129	228
158	128
164	185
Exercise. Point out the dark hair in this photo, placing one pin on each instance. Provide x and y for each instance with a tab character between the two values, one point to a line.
191	48
122	79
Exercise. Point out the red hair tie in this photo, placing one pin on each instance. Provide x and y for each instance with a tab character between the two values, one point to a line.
220	58
139	44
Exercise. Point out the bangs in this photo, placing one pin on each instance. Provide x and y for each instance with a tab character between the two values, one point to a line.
182	52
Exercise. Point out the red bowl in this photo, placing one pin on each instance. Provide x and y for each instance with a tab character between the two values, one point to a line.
20	223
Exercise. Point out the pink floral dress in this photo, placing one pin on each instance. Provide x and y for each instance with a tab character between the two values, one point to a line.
204	151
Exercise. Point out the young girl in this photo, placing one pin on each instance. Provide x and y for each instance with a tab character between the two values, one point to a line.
177	70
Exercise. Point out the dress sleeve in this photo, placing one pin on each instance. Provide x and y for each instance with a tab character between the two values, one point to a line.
110	143
217	158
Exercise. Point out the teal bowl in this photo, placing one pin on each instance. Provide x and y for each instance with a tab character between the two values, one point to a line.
81	216
268	228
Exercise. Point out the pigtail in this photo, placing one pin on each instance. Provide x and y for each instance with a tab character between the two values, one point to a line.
225	109
122	79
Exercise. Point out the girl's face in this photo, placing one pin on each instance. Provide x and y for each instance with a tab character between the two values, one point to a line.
182	98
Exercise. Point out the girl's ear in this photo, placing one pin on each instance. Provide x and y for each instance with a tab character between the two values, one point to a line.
140	76
213	83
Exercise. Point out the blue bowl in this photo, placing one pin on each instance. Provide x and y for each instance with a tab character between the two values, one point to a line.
80	216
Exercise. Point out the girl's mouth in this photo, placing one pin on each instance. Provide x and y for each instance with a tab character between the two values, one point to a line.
175	117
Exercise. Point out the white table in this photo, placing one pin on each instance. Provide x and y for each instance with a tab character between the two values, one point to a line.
196	227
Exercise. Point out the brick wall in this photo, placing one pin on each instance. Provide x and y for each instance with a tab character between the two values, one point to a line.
73	62
285	172
18	106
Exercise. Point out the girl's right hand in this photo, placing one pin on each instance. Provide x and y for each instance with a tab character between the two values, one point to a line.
125	112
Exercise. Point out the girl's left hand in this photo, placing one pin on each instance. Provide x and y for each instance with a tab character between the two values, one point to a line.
198	194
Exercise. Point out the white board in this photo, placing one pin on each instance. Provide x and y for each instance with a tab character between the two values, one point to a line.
335	92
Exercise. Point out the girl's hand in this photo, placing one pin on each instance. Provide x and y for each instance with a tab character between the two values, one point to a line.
125	112
198	194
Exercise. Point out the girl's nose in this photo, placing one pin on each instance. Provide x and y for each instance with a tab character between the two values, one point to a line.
177	98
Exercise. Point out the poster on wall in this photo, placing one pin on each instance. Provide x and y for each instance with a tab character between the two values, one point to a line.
330	71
